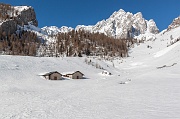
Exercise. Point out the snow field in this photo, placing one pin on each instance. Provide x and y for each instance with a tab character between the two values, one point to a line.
148	92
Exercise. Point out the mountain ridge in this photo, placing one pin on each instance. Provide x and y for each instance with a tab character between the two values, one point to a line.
120	24
175	23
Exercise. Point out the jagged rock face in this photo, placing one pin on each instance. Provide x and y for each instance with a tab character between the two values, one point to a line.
139	23
151	27
174	24
26	15
20	15
123	24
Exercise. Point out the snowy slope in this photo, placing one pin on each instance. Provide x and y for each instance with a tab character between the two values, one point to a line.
46	33
149	92
40	33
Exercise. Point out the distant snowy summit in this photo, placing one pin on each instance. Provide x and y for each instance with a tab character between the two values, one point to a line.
53	30
122	24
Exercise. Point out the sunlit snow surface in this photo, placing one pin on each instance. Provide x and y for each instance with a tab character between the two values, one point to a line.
135	90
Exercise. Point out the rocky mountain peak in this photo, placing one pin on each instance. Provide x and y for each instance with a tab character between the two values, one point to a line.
117	13
151	27
122	24
25	14
138	15
174	24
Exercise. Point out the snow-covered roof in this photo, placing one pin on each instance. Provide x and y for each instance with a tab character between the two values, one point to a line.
49	73
71	72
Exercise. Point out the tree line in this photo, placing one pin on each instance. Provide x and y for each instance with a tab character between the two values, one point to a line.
24	43
79	43
71	44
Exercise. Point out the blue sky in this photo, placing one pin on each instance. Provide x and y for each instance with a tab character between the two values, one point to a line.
89	12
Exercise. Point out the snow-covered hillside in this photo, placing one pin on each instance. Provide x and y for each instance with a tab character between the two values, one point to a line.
39	32
123	24
45	33
143	86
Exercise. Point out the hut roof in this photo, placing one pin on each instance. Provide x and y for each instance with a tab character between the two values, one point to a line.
49	73
71	73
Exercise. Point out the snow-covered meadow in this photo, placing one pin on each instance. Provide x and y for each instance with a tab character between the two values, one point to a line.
148	92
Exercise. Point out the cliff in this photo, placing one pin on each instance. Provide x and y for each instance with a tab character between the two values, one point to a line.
12	16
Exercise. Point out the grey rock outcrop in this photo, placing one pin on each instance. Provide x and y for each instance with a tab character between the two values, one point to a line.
26	16
22	15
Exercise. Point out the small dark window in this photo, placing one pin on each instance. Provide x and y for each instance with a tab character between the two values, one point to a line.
55	78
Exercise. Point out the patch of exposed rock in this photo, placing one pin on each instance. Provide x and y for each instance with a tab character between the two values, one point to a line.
20	15
26	15
174	24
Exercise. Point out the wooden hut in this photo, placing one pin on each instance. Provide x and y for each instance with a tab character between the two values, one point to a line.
53	75
74	75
